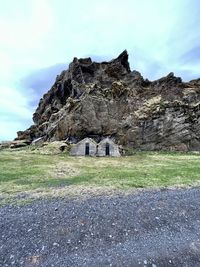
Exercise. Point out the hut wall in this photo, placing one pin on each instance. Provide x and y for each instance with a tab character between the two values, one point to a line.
113	148
79	148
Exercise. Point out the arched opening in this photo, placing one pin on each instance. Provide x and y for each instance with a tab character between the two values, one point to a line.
87	149
107	149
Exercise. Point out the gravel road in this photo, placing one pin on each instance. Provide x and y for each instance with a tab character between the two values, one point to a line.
149	228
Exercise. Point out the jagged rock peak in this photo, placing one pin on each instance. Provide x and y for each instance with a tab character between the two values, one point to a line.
98	99
123	59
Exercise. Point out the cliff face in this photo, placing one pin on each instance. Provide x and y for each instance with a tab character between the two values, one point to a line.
108	99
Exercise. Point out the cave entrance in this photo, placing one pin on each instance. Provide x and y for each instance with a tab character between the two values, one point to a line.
87	149
107	149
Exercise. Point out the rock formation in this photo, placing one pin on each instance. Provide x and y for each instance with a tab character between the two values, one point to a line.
96	100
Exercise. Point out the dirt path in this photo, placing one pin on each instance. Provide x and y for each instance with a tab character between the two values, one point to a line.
157	228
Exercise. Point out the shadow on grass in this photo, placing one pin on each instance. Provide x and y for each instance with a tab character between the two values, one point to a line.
12	176
54	182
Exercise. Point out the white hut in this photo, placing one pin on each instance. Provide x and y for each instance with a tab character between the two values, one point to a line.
107	148
86	147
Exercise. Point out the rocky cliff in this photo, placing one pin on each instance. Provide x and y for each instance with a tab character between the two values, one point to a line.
108	99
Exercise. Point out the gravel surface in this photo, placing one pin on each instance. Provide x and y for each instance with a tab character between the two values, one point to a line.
150	228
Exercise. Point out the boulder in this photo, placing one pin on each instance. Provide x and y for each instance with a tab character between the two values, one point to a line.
19	143
38	141
5	144
52	148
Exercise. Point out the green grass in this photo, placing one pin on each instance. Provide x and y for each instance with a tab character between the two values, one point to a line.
22	171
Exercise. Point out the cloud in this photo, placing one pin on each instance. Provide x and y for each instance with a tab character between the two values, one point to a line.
36	35
15	112
41	80
8	129
192	56
22	30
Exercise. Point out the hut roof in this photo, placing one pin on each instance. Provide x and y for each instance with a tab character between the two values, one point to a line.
87	139
107	140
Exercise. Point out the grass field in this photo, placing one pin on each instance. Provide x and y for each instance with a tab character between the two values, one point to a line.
26	174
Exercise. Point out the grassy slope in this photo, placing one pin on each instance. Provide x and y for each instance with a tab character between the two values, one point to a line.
25	171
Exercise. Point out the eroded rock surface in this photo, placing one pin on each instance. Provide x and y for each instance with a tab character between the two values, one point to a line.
108	99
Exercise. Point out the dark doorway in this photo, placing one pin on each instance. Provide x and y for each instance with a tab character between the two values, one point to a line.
107	149
87	149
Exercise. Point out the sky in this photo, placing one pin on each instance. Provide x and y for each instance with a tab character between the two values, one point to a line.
39	38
